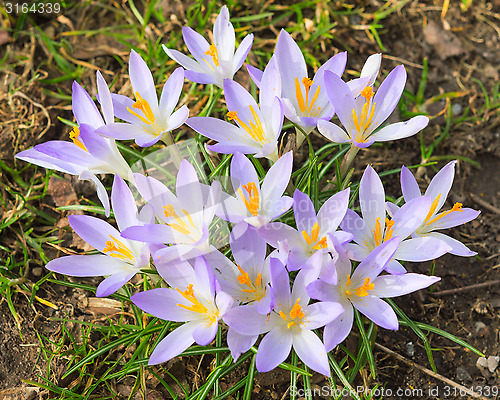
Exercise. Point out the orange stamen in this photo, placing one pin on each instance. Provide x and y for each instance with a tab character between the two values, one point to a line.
212	51
253	202
255	130
73	135
118	250
144	106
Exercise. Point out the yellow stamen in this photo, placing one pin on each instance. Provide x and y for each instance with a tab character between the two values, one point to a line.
255	130
118	250
212	51
243	278
305	106
363	122
73	135
362	291
144	106
456	207
313	239
298	94
295	313
256	288
253	202
377	232
380	236
180	226
348	283
195	306
433	208
388	229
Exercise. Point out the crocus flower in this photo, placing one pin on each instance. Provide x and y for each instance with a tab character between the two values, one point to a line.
363	290
312	233
253	204
290	324
184	217
304	99
213	62
257	127
192	298
362	116
121	258
374	228
147	121
435	220
247	279
89	153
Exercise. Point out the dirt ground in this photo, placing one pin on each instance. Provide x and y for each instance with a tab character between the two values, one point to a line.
463	48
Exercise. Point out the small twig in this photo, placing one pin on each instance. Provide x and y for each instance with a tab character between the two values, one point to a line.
466	288
484	204
427	371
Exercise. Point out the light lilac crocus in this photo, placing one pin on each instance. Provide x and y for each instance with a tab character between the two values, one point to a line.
247	278
254	204
363	116
147	120
121	259
438	191
364	289
191	298
89	153
374	228
257	126
313	231
213	62
290	324
184	217
304	100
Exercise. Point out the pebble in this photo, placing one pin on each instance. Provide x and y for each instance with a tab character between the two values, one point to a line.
463	374
456	109
491	363
410	349
37	271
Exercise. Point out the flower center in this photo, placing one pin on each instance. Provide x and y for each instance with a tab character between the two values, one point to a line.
361	291
117	249
312	240
212	52
252	203
143	106
296	313
253	288
456	207
73	135
306	107
362	123
377	232
196	306
179	225
254	129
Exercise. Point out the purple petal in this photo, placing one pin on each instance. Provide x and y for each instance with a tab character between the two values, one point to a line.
247	246
377	310
395	268
94	231
255	74
239	344
85	266
201	77
113	282
401	130
332	212
239	100
163	303
311	351
150	233
410	216
321	313
323	291
409	185
196	44
373	265
457	247
241	53
142	80
280	284
273	350
372	198
102	194
387	96
441	184
183	60
123	204
105	98
174	344
303	209
43	160
337	330
371	68
356	226
453	219
421	249
246	320
84	108
333	132
205	333
277	179
341	98
398	285
188	188
171	92
216	129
